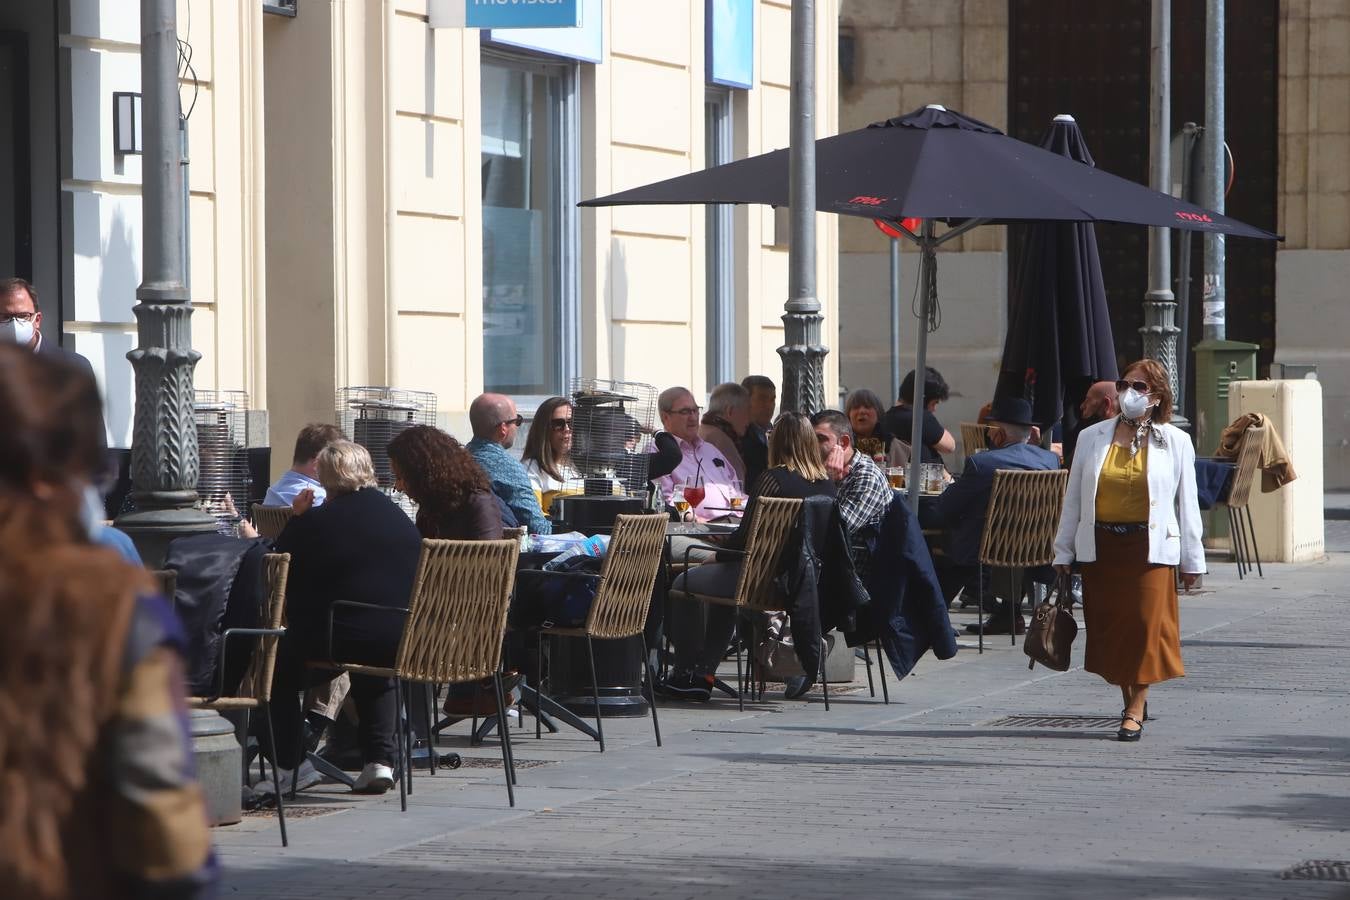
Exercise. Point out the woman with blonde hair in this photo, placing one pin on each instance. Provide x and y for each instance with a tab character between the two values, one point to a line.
796	470
1131	519
95	759
359	547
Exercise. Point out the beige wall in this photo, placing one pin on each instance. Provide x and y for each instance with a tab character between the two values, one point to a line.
374	211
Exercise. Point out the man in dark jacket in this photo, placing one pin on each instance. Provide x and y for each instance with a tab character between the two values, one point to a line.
962	507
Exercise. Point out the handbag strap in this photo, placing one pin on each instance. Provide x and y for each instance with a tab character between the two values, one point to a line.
1061	594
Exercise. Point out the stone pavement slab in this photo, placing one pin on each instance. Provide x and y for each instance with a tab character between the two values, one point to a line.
1242	774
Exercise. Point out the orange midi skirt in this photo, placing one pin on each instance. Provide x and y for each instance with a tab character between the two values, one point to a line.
1130	609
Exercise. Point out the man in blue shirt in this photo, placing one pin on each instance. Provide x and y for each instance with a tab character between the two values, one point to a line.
495	423
303	474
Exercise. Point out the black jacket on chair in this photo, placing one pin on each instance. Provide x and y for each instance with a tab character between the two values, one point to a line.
907	614
816	577
358	546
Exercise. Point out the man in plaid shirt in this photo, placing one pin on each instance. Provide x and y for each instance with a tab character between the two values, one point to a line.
863	495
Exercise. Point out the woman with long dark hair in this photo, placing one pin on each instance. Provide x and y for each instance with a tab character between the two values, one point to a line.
1131	518
100	800
548	450
452	492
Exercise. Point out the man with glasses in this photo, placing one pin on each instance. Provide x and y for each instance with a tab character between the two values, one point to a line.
21	323
701	464
495	422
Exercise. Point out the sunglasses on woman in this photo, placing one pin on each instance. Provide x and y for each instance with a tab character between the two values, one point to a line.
1141	386
560	424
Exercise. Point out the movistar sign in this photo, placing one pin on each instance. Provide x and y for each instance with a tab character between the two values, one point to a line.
522	13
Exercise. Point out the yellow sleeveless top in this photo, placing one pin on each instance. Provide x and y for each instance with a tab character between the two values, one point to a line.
1122	489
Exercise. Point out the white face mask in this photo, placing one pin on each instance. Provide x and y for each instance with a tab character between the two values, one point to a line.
1134	405
16	331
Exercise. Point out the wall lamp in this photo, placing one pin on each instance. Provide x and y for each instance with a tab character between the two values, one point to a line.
126	123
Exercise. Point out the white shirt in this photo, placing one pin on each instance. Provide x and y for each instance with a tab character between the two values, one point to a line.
289	486
543	482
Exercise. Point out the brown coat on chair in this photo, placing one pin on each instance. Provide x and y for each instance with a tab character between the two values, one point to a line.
1276	468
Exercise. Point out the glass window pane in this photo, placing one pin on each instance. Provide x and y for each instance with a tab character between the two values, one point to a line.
521	213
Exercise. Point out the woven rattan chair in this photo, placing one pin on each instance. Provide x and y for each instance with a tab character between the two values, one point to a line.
269	520
771	521
258	693
1019	528
974	437
623	594
452	633
1240	533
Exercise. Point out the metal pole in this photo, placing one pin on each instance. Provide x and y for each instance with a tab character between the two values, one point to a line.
895	314
802	353
927	295
1159	330
164	459
1188	138
1212	172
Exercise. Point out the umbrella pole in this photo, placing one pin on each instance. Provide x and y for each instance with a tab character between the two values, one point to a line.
927	291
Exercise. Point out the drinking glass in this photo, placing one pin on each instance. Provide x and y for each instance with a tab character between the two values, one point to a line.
694	494
680	501
896	476
932	482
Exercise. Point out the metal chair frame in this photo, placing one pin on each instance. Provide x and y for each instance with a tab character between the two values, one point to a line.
276	568
1019	529
1240	533
771	521
622	600
452	634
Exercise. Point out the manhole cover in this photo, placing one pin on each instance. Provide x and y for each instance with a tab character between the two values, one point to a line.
1091	723
1319	870
488	762
295	812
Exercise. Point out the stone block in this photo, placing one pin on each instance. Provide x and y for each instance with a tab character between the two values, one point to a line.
947	59
1332	160
867	104
946	93
1294	105
1293	47
1294	173
895	55
984	54
1330	39
987	101
858	235
1320	9
984	12
1293	220
1332	109
871	13
1330	221
925	13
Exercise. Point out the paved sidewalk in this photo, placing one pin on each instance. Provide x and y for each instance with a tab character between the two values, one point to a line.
1240	776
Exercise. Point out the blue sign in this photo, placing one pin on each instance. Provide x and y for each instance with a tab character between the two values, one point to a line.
730	42
522	13
585	42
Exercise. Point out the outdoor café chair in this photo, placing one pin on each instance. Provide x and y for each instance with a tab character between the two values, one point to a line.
771	521
269	520
256	690
623	595
1240	533
974	437
452	634
1019	529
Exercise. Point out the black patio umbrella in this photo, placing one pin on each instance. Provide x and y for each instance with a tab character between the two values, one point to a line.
935	164
1059	330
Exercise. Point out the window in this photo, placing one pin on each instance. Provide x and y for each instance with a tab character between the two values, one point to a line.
530	226
718	262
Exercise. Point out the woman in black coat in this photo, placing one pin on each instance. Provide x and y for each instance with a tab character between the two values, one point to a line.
358	546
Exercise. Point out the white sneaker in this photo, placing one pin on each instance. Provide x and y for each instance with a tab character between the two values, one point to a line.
375	778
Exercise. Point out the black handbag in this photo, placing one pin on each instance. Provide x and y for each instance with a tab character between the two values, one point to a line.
1050	635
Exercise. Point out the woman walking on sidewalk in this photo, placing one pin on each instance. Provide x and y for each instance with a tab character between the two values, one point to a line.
1131	518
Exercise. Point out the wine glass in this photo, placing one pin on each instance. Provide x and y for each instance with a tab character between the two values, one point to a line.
694	493
680	501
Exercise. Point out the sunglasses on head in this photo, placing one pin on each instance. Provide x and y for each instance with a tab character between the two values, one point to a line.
560	424
1141	386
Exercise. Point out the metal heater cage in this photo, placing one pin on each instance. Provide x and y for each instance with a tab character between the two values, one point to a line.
223	474
374	416
612	423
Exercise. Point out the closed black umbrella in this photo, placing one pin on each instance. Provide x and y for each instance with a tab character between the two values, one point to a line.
938	165
1059	329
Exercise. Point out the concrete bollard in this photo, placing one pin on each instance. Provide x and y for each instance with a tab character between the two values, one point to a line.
215	752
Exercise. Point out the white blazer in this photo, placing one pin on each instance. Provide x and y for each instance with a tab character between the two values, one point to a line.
1174	527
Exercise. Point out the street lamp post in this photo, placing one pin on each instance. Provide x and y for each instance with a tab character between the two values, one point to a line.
802	353
164	437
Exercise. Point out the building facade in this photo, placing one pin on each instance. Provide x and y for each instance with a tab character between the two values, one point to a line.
1017	63
376	201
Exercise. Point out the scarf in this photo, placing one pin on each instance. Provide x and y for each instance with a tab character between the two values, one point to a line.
1144	430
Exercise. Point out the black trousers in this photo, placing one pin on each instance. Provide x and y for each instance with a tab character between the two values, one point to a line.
375	698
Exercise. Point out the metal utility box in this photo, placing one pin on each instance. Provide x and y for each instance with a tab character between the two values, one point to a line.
1217	365
1288	522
